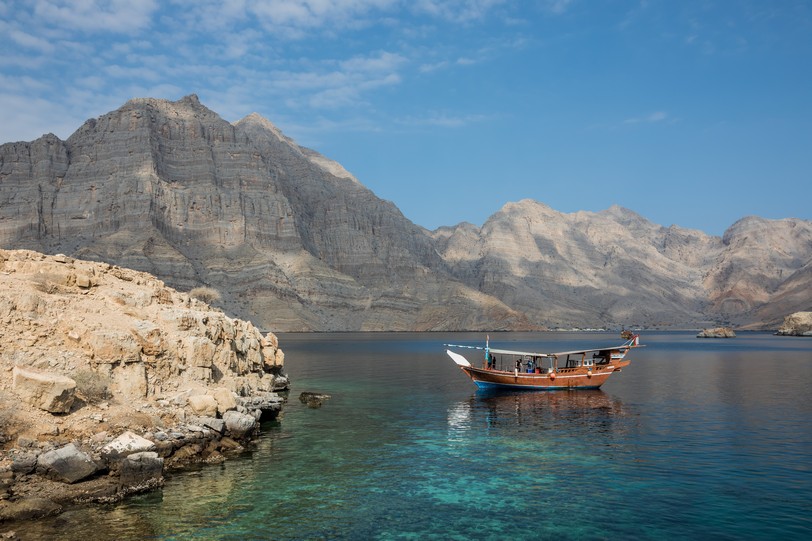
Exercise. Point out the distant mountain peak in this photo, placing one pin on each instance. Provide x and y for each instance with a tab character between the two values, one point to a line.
256	119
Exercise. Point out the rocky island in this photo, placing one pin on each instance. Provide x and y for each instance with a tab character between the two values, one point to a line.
717	332
108	378
797	324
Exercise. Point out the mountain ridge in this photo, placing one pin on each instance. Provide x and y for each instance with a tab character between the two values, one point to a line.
293	241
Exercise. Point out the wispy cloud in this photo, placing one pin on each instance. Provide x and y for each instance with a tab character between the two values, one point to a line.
124	16
557	6
296	18
32	42
433	66
651	118
459	11
444	119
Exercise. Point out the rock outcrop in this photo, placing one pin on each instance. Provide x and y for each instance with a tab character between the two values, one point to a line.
292	241
103	371
797	324
717	332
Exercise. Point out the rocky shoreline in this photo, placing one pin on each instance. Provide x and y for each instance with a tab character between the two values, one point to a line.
109	380
42	478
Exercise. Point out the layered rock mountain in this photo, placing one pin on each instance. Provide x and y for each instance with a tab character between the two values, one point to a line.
292	241
617	268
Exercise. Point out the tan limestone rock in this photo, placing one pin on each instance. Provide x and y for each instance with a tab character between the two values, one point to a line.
204	405
108	345
54	393
226	401
198	351
129	380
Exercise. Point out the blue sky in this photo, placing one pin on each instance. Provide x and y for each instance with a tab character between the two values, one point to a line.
694	113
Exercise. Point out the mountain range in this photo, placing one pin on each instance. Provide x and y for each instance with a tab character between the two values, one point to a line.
294	242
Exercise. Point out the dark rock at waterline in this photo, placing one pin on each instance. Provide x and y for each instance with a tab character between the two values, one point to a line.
313	400
141	471
67	464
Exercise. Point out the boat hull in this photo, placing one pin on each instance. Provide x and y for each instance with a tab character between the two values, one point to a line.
567	378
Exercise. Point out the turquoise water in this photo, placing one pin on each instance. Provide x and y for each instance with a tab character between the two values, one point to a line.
696	439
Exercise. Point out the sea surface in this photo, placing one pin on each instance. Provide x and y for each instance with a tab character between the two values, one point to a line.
696	439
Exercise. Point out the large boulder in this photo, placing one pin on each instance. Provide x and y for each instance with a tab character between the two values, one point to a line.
50	392
204	405
67	464
125	445
226	400
239	425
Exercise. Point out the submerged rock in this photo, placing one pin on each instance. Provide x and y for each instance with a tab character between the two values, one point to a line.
28	508
313	400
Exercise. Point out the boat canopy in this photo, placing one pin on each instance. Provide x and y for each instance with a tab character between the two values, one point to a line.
625	345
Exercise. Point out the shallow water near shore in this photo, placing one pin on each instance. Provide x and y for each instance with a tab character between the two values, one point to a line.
697	438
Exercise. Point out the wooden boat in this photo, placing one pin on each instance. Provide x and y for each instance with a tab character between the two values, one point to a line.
578	369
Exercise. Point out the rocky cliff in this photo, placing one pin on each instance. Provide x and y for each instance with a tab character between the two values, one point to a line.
99	364
292	241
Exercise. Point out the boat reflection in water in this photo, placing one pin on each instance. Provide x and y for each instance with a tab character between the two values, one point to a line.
591	410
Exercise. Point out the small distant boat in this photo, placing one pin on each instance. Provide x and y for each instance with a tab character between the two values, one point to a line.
578	369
